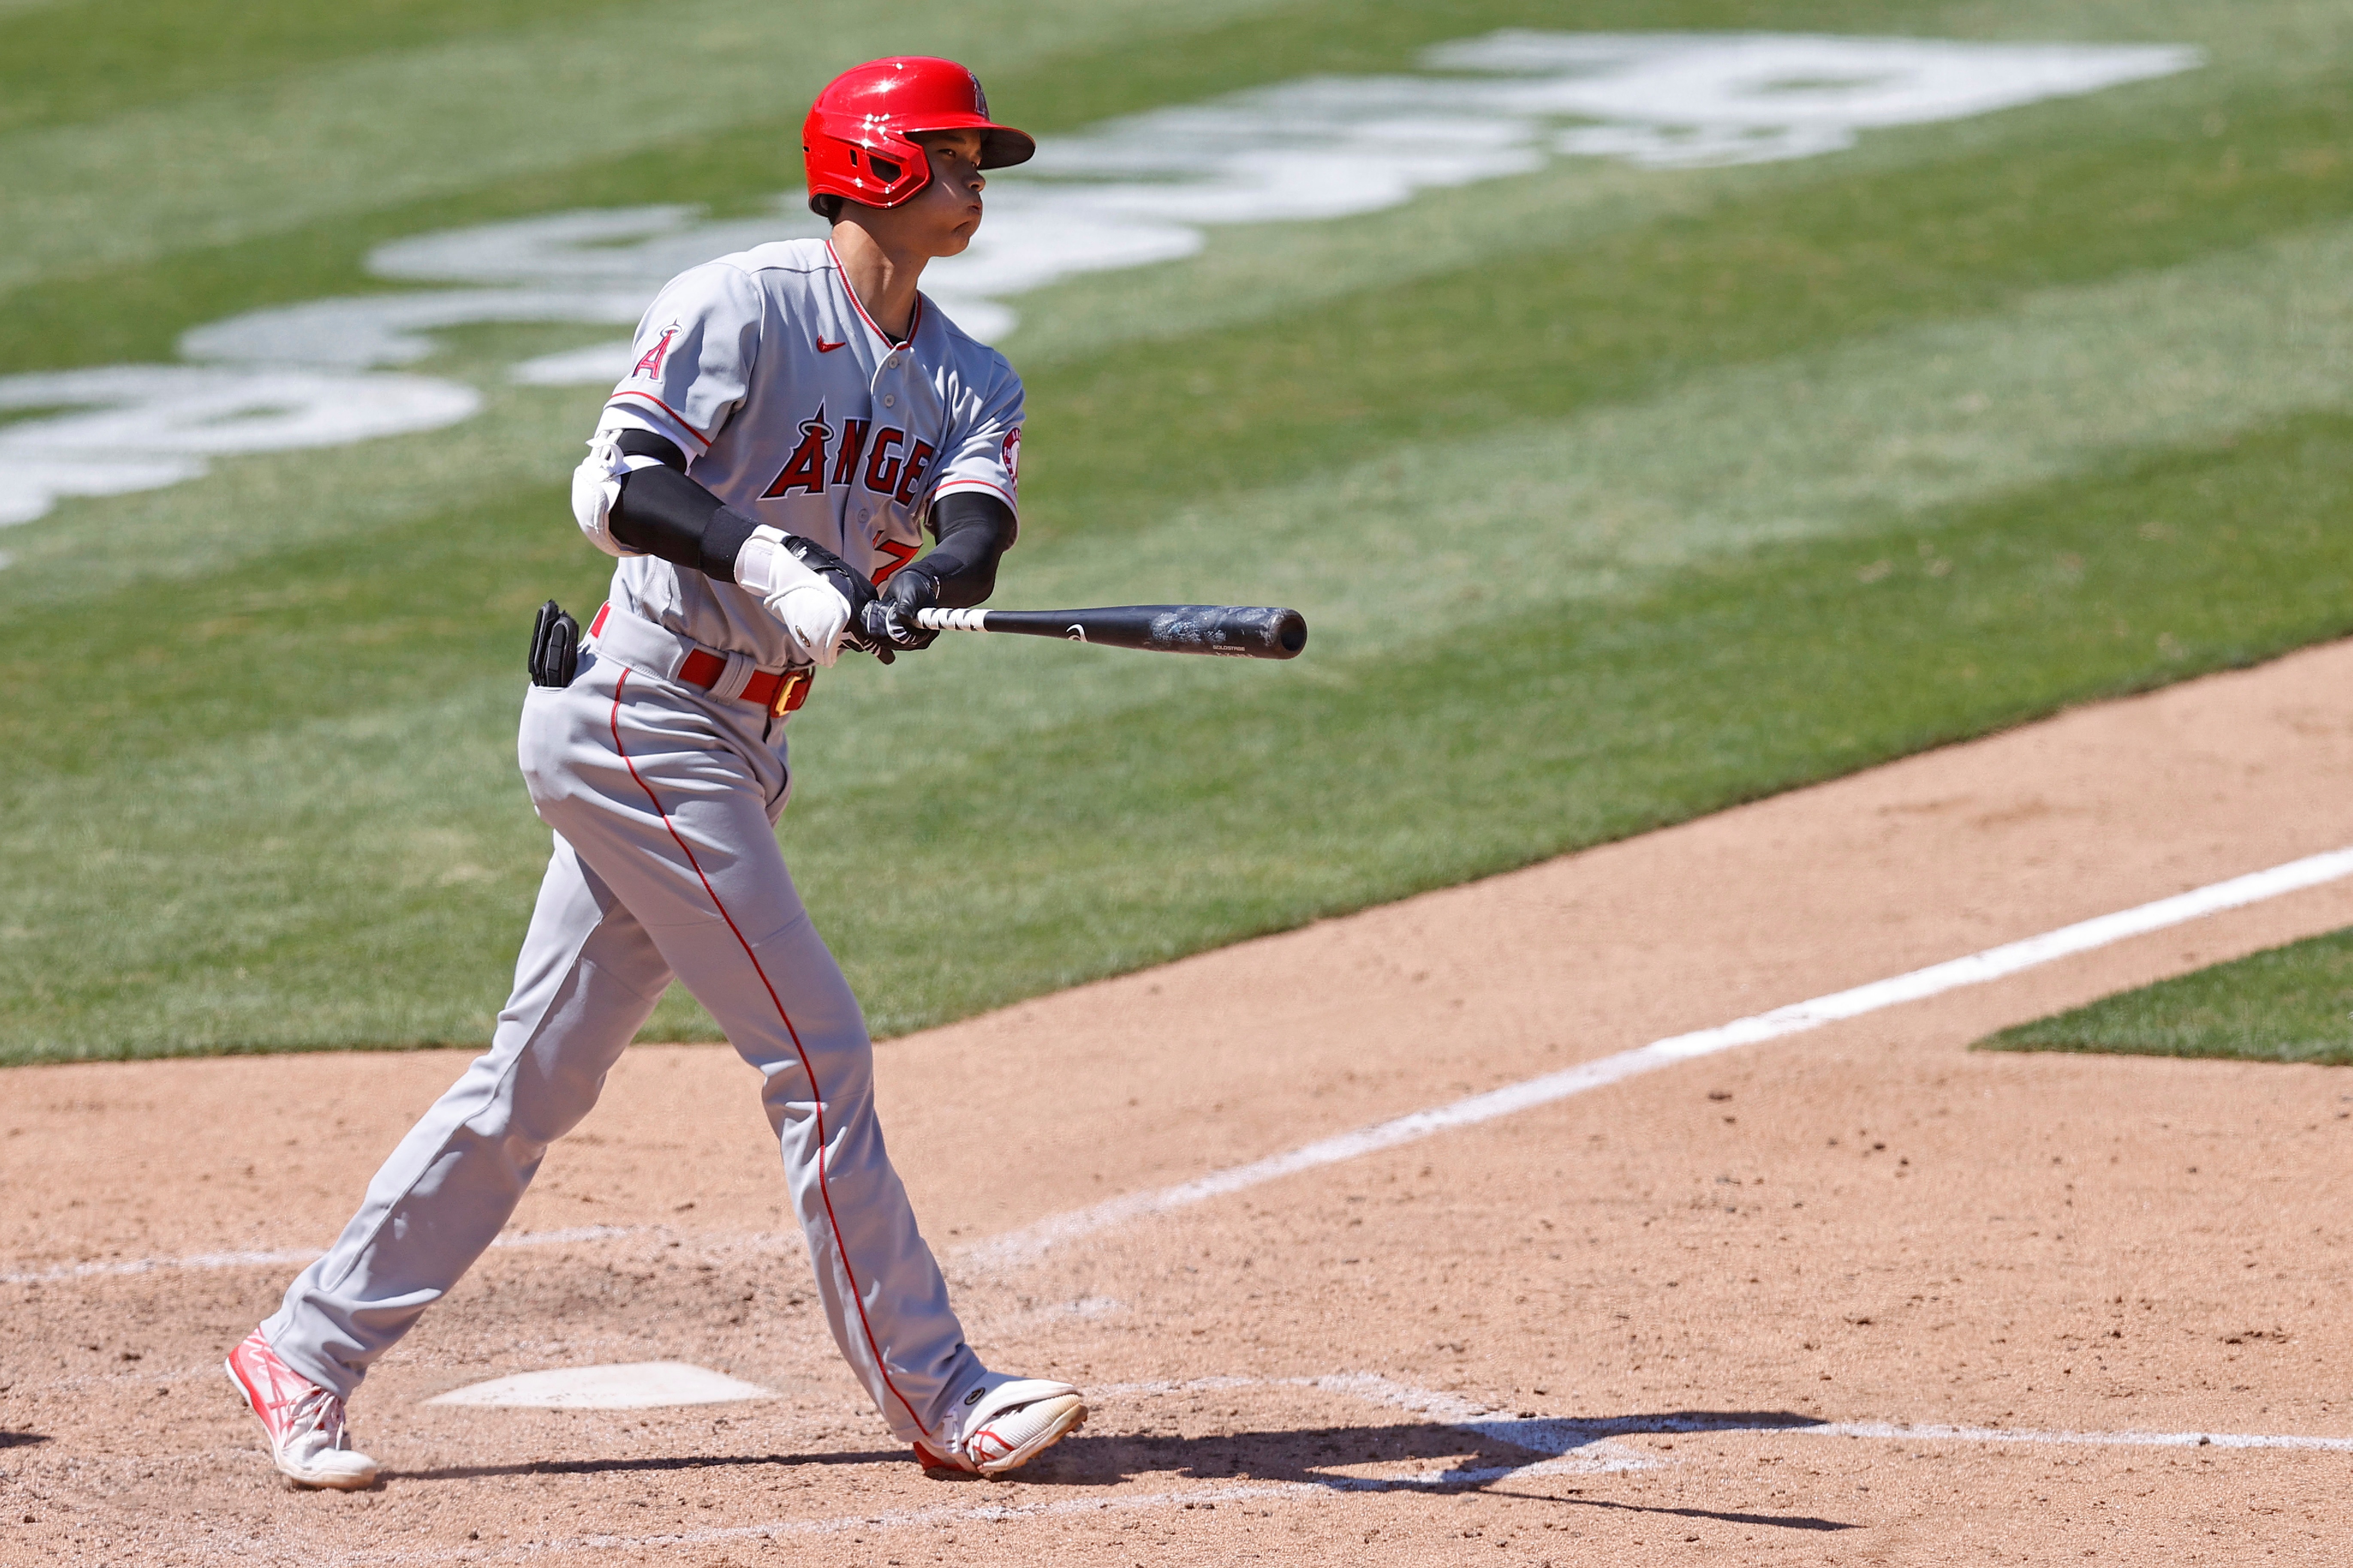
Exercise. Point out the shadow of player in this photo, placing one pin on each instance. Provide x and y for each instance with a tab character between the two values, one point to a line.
1479	1457
648	1466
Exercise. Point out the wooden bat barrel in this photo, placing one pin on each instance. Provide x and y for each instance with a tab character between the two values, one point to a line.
1235	631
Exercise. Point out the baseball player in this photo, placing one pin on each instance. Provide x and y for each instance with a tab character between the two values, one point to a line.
796	414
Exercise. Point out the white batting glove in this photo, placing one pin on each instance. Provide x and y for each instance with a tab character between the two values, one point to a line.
814	611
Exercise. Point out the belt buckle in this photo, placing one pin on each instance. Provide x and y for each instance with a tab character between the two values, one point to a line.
792	690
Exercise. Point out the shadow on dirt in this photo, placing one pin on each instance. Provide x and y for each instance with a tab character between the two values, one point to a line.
20	1439
653	1465
1475	1456
1768	1520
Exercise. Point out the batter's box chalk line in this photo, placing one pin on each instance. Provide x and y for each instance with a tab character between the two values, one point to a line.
1559	1437
1031	1242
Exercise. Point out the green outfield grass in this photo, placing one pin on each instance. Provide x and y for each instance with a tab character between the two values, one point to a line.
2292	1003
1613	495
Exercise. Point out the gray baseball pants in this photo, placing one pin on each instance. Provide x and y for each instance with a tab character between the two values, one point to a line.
664	802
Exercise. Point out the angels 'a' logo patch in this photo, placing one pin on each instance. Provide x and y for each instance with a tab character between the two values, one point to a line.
650	363
1011	456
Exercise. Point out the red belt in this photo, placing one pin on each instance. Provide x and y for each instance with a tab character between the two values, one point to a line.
779	693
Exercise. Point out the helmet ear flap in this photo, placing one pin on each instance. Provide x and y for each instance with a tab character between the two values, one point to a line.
869	164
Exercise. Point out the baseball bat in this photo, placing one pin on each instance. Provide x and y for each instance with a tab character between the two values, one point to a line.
1241	631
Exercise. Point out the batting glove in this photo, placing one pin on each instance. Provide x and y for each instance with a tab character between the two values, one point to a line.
808	588
889	620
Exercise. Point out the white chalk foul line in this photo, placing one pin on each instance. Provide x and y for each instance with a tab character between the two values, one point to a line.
1977	969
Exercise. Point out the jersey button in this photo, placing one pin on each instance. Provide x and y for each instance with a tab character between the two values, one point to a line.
889	401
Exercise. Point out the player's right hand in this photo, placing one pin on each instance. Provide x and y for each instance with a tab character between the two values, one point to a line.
812	592
889	620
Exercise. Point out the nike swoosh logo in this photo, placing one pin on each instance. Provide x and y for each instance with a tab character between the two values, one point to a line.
826	348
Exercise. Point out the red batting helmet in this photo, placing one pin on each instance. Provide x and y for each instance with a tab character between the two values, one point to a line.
856	140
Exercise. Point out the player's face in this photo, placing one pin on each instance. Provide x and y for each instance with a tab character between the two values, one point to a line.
942	217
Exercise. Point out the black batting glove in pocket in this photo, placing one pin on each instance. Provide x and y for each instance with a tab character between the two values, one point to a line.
554	647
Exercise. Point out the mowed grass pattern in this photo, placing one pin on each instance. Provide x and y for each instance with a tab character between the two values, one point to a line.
1614	495
2291	1004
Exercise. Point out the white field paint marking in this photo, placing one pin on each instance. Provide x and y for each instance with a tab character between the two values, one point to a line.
1032	1241
296	1257
1905	1433
1141	190
625	1385
1130	193
1563	1440
143	426
1558	1435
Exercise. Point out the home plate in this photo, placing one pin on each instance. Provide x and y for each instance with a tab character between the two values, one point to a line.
630	1385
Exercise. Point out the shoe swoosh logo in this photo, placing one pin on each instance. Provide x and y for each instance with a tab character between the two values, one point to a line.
826	348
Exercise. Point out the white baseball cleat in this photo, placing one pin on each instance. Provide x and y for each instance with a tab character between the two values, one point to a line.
305	1422
1007	1422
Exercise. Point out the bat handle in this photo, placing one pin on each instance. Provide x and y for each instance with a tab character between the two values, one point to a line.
935	620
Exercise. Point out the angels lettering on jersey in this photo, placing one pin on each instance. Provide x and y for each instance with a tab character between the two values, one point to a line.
895	466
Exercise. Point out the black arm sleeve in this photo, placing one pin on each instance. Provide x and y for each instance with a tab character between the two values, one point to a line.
973	530
660	511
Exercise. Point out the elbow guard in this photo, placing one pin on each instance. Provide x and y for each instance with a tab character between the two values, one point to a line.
597	489
632	497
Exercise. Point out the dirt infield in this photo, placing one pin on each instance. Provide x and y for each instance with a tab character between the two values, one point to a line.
1851	1296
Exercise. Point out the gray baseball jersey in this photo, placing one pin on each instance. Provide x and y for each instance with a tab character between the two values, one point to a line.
796	409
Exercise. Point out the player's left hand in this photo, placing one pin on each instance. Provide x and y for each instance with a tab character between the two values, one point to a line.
818	597
889	620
